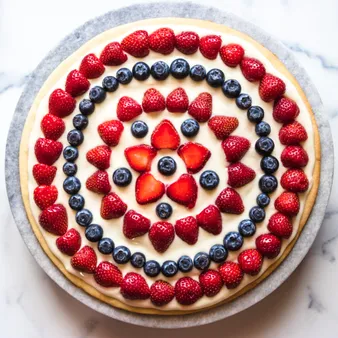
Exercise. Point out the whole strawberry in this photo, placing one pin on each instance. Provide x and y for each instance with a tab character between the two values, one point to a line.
161	293
128	109
222	126
110	132
76	83
91	66
54	219
61	103
113	55
52	126
280	225
84	260
47	151
108	275
99	157
292	134
161	235
295	180
252	69
201	108
210	46
232	54
70	242
136	44
45	196
250	261
187	42
210	220
134	287
294	157
188	291
229	201
271	87
153	101
135	225
162	41
287	203
239	174
231	274
285	110
268	245
211	282
235	147
177	101
112	206
187	229
44	174
99	182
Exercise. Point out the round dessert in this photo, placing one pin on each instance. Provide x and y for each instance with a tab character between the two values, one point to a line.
169	165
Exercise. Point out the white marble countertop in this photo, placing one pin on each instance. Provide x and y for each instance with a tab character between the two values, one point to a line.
33	306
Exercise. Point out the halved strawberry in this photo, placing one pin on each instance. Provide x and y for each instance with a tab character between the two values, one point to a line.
187	42
252	69
188	291
61	103
239	174
110	132
230	202
99	182
148	189
194	155
84	260
135	225
285	110
161	235
271	87
223	126
162	41
128	109
108	275
134	287
232	54
91	66
54	219
294	180
47	151
187	229
112	206
70	242
177	101
44	174
211	282
136	44
45	196
294	156
201	108
280	225
99	157
250	261
76	83
235	147
231	274
165	136
113	55
52	126
161	293
153	101
292	134
210	46
268	245
287	203
210	220
140	157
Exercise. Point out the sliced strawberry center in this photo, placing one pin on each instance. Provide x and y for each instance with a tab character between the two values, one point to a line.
148	189
165	136
194	155
140	157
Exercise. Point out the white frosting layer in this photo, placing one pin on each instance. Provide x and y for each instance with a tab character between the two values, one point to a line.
221	105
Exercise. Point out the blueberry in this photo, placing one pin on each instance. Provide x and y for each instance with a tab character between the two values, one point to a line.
269	164
233	241
141	71
84	217
159	70
75	137
179	69
139	129
164	210
76	202
138	260
169	268
268	184
255	114
110	84
69	168
257	214
201	261
71	185
246	228
209	180
264	146
121	254
122	177
94	233
166	166
70	153
86	107
80	121
152	268
106	246
124	76
190	128
185	264
97	94
263	129
198	73
231	88
215	77
243	101
218	253
263	200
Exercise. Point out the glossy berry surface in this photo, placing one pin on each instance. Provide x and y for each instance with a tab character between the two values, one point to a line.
169	268
233	241
215	77
255	114
243	101
263	129
139	129
94	233
159	70
124	76
269	164
268	184
209	180
141	71
152	268
231	88
122	177
86	107
138	260
75	137
201	261
166	166
110	84
190	128
80	121
106	246
76	202
69	168
121	254
218	253
257	214
84	217
185	264
71	185
263	200
198	73
97	94
164	210
247	228
179	69
264	146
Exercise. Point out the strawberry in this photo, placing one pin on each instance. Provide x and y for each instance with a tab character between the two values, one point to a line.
252	69
161	235
294	156
280	225
194	155
222	126
183	191
177	101
128	109
188	291
99	182
70	242
165	136
235	147
84	260
231	274
201	108
140	157
161	293
47	151
136	44
210	220
285	110
187	42
61	103
250	261
210	46
108	275
54	219
153	101
44	174
134	287
187	229
91	66
99	157
232	54
211	282
148	189
162	41
292	134
230	202
52	126
294	180
239	174
113	55
110	132
271	87
76	83
268	245
112	206
135	225
287	203
45	196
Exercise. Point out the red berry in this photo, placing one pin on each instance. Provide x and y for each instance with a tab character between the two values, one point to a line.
161	235
271	87
54	219
99	157
210	220
128	109
223	126
140	157
187	42
239	174
285	110
252	69
292	134
187	229
231	274
110	132
61	103
188	291
52	126
44	174
268	245
280	225
230	202
99	182
113	55
294	180
76	83
177	101
91	66
210	46
235	147
201	108
288	203
211	282
162	41
135	225
250	261
108	275
165	136
153	101
136	44
294	157
84	260
112	206
232	54
70	242
45	196
148	189
134	287
161	293
47	151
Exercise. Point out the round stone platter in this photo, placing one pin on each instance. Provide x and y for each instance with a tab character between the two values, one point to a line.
157	10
